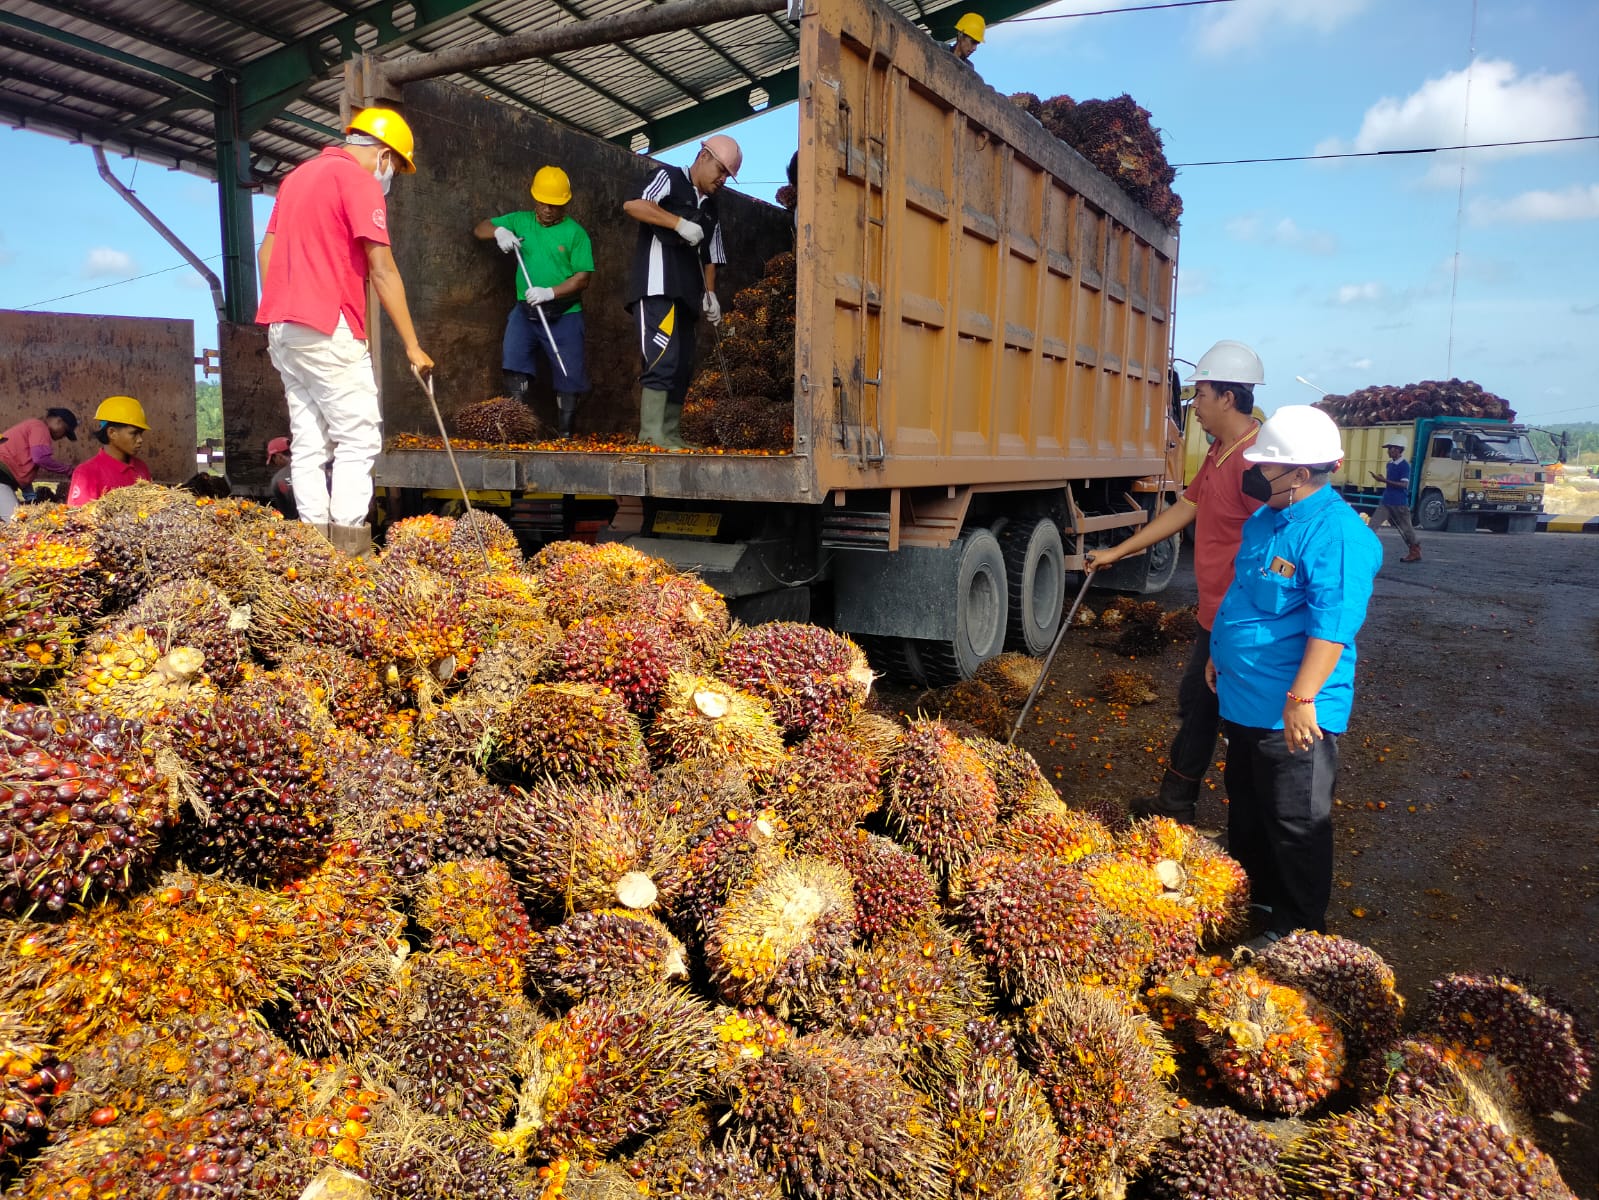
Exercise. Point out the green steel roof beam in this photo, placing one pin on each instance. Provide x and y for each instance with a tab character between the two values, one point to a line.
718	113
140	33
60	37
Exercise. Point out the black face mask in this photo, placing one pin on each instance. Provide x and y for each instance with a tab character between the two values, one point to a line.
1256	486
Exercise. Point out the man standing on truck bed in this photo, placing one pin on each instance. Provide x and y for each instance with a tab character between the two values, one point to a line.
1215	505
969	33
328	233
674	279
555	262
1395	505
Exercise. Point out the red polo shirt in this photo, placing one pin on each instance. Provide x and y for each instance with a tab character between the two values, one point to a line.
326	209
1217	491
102	474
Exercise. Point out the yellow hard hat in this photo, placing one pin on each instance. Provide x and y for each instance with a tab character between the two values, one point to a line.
973	26
388	127
551	186
121	410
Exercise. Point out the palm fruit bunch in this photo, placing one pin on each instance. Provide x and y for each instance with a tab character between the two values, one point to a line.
471	912
452	1051
1059	834
811	677
1011	676
1126	687
1275	1048
32	1080
705	718
698	794
971	703
581	580
1116	136
1003	1136
256	783
128	675
579	732
422	541
784	935
192	612
827	783
837	1123
688	1164
500	421
573	849
1547	1053
1463	1082
355	696
630	656
1410	1148
752	406
1181	624
1351	980
1204	878
693	610
610	1068
941	797
1214	1154
511	665
603	951
892	889
1430	398
727	856
82	808
1137	891
412	1155
50	584
1018	779
1102	1068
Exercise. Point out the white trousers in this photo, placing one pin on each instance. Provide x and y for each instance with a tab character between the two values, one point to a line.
333	415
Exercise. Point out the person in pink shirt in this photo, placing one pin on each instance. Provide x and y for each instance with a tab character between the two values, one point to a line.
120	427
28	447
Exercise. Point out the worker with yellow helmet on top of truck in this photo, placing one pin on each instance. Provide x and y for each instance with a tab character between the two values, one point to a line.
969	33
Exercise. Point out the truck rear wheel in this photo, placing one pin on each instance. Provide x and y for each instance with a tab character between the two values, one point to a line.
895	657
1433	514
1035	563
982	610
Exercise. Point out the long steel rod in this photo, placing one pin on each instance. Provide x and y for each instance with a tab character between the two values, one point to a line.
1049	658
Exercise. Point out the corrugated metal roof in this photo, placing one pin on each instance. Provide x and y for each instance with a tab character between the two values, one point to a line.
142	77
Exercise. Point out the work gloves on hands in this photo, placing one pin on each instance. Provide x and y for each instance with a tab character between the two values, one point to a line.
539	295
713	308
505	239
690	231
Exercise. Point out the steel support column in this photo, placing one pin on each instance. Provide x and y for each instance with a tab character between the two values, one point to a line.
234	179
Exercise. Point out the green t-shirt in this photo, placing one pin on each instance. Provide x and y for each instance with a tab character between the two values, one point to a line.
553	253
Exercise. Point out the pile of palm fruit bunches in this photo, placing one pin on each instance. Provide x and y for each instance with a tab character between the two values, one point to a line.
450	873
1429	398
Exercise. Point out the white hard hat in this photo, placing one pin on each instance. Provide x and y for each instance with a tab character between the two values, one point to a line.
1229	362
1393	442
1299	435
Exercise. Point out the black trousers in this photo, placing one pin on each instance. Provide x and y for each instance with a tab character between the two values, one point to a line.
1198	716
666	342
1279	823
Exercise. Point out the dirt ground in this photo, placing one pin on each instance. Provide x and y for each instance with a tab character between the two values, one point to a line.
1467	814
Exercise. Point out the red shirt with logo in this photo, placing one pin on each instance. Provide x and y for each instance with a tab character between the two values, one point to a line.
102	474
26	449
327	208
1217	491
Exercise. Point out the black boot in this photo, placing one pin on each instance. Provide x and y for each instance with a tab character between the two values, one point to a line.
517	385
566	407
1178	799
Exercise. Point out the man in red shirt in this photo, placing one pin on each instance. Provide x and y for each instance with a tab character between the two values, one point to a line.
1215	505
328	234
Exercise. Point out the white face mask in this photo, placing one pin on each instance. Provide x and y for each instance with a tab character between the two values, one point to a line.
385	175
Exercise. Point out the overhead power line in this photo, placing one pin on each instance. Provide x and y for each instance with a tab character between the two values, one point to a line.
1234	162
1105	12
115	283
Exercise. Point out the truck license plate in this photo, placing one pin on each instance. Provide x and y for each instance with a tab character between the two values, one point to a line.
687	524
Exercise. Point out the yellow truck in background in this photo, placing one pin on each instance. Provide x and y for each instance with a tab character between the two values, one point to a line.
1466	473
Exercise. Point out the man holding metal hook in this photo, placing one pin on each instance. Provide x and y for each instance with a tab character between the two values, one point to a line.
555	262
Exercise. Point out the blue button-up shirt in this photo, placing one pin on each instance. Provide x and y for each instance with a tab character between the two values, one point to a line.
1305	571
1397	489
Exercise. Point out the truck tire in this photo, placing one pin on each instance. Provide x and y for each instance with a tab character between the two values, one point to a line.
1432	514
781	604
896	658
1162	564
982	611
1035	564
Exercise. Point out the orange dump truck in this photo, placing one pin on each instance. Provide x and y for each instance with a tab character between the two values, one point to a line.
981	384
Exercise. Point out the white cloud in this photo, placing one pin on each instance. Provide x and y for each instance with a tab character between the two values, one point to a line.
1505	107
1360	364
1284	232
1244	24
1370	292
1579	202
103	260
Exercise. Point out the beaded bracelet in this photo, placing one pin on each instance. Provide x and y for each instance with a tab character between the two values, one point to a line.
1301	699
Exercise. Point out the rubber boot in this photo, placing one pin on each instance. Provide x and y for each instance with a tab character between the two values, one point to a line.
566	407
352	540
517	385
1414	555
1178	799
651	419
322	529
672	426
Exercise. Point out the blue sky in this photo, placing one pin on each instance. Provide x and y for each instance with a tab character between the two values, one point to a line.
1338	271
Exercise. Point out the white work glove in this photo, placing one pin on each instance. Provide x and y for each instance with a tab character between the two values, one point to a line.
690	231
505	239
539	295
713	308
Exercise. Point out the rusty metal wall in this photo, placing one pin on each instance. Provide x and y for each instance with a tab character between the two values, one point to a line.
476	158
253	408
75	361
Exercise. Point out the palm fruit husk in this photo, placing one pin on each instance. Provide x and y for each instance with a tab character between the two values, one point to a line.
1011	676
1214	1154
1102	1069
1127	688
192	612
1273	1047
698	794
784	935
453	1050
631	656
812	677
838	1123
728	855
1181	624
578	732
1547	1053
1018	778
470	911
970	702
593	954
83	808
32	1080
1462	1081
1204	877
1003	1136
611	1068
499	420
254	780
893	890
574	849
827	783
702	717
941	797
1430	398
1412	1148
1352	980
